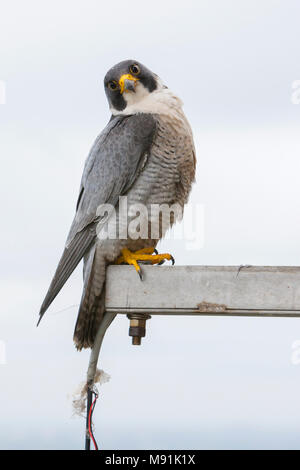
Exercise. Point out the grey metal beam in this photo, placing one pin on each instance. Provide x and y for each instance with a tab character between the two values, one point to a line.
205	290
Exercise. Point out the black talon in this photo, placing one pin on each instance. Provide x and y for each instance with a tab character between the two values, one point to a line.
140	274
173	260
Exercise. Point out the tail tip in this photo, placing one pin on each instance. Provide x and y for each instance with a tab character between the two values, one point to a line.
40	317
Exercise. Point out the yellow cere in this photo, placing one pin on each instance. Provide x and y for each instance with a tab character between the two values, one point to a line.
126	76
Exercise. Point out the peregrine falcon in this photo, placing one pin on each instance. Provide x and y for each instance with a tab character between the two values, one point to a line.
146	154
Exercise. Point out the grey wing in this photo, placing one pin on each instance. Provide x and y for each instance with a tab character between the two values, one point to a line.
111	168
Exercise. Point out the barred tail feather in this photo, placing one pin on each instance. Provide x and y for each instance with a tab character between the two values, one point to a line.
92	304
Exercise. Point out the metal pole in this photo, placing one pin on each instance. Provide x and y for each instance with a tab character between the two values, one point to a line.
95	351
92	368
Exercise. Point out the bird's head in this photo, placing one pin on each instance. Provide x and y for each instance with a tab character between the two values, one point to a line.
128	83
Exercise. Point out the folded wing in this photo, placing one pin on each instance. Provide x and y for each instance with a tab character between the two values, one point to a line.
110	170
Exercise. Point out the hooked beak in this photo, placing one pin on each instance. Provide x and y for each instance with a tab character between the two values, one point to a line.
127	83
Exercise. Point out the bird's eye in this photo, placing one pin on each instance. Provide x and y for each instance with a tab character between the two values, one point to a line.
135	69
113	85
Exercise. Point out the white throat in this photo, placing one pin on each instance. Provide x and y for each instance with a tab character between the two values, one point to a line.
159	101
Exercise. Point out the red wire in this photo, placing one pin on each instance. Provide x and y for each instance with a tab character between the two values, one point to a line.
90	423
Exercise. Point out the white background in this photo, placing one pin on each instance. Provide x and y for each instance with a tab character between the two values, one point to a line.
194	383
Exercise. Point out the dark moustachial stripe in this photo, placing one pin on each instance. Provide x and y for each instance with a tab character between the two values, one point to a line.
118	102
149	82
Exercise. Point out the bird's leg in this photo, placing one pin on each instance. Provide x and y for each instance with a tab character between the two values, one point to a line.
145	254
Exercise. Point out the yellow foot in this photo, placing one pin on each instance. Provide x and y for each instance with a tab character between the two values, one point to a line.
146	255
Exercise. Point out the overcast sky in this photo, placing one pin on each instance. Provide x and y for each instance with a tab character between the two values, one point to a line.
195	382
